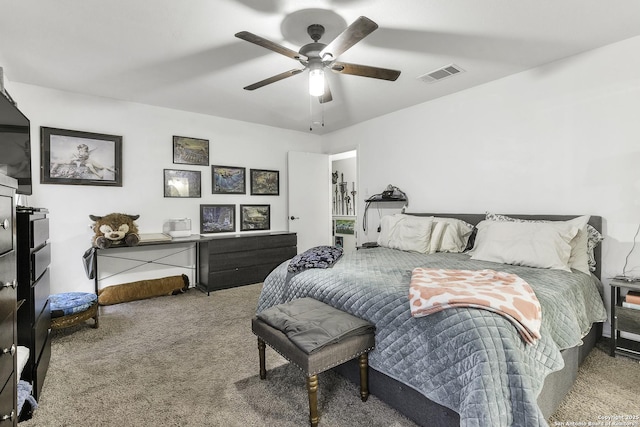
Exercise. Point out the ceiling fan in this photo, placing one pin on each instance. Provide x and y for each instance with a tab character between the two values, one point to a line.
317	56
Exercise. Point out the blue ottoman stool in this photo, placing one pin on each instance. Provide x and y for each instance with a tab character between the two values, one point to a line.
72	308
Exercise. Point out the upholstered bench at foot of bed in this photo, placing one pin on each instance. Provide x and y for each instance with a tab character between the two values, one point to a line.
318	361
72	308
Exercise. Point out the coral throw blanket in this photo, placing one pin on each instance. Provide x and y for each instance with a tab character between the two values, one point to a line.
434	289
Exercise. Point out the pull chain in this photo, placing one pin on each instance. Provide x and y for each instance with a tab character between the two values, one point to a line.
311	101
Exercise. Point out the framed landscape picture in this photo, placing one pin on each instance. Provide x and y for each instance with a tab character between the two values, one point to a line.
190	151
182	183
345	226
77	157
265	182
217	218
255	217
228	180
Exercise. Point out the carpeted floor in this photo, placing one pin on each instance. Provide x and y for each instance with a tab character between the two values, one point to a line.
191	360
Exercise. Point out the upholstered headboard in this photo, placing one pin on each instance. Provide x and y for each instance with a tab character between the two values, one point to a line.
594	221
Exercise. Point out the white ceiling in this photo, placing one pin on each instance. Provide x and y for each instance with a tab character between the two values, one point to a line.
183	54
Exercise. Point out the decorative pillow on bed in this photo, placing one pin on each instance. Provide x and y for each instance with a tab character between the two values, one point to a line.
582	246
318	257
532	244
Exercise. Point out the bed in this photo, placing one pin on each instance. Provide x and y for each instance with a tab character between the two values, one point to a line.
462	366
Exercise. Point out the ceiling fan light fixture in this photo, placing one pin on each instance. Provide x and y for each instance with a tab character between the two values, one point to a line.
316	82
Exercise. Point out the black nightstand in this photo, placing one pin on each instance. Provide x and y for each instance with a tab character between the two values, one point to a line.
624	319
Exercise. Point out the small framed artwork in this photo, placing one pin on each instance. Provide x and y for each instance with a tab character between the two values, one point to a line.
190	151
255	217
339	242
217	218
82	158
345	226
228	180
265	182
182	183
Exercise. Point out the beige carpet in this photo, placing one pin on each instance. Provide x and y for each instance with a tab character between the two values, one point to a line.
191	360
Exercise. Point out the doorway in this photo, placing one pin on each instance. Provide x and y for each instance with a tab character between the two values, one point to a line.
344	191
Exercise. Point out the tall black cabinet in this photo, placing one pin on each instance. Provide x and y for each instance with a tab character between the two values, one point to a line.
34	315
8	341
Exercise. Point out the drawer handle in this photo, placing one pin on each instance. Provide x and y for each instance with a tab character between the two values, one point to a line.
11	350
13	284
6	224
9	417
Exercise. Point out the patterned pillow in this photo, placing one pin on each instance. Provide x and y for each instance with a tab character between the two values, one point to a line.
318	257
593	236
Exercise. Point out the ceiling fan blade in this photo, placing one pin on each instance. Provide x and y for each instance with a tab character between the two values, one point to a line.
274	79
326	96
260	41
365	71
355	32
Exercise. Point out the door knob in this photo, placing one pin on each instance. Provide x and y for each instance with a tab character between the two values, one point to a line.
294	217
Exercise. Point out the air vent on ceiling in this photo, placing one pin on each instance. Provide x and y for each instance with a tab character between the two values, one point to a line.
441	73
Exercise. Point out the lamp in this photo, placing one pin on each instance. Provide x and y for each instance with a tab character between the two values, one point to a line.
316	80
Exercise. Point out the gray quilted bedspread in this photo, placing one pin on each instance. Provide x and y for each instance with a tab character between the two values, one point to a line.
470	360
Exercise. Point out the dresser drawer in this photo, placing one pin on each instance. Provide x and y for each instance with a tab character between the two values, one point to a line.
40	260
228	261
39	232
7	340
8	396
239	276
41	330
6	224
40	292
41	369
250	243
8	282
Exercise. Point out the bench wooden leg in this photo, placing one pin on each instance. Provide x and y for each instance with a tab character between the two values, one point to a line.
364	376
312	388
263	368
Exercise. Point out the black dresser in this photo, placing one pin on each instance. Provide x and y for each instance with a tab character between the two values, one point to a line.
242	259
34	316
8	283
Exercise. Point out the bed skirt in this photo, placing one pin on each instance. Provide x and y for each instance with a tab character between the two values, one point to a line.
425	412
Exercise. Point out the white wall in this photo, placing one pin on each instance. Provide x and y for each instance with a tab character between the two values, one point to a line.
563	138
147	149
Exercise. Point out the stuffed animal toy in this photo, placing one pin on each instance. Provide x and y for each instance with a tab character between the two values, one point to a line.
115	229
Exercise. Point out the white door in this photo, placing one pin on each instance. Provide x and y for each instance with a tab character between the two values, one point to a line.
309	180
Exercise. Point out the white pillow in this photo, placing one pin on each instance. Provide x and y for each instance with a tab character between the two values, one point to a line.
456	235
412	234
387	225
579	258
532	244
437	234
406	232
